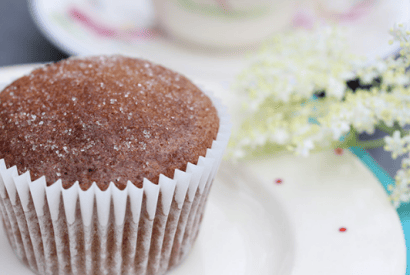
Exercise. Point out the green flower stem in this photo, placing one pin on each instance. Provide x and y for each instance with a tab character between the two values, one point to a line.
390	130
383	127
351	140
369	144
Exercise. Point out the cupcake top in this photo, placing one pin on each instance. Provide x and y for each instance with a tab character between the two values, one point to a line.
104	119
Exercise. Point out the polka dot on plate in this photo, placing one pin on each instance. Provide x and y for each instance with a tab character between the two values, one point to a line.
339	151
278	181
342	229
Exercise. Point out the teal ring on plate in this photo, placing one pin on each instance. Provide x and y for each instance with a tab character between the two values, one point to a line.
385	179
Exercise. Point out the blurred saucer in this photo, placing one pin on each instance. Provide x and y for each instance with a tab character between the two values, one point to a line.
72	29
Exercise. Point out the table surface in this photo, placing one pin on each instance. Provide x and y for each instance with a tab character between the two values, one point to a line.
22	43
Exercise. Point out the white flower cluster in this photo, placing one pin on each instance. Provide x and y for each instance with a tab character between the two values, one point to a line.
365	110
299	64
396	144
297	97
288	71
400	192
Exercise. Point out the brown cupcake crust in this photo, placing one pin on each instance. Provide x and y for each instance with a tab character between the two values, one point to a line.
104	119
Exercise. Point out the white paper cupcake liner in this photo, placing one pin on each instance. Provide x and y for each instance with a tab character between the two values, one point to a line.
140	231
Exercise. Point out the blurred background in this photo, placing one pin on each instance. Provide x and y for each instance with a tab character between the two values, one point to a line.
21	41
191	49
215	52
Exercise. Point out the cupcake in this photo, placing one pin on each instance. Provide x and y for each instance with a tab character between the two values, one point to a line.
106	163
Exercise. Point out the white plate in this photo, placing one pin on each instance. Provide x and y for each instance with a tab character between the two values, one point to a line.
367	34
254	226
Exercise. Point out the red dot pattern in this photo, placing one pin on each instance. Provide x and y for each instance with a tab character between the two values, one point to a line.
339	151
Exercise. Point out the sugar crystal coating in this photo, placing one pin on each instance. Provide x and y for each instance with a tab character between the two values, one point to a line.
104	119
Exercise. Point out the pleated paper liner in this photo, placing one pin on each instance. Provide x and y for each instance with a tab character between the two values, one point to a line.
146	230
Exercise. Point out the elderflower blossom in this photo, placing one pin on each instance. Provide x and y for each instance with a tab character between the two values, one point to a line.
304	148
401	34
395	144
297	97
392	69
400	192
280	83
298	65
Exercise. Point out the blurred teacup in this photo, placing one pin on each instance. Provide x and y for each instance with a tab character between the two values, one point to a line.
208	23
223	23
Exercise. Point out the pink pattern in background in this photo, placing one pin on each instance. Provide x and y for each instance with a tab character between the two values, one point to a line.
105	31
353	13
224	5
308	17
303	18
